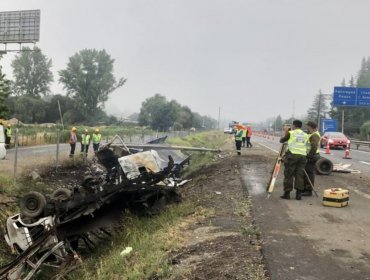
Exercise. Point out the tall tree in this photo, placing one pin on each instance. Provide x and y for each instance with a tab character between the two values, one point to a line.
4	93
89	79
278	123
318	109
27	108
158	113
351	82
32	74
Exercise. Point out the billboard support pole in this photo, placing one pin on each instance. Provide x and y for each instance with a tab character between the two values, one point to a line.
343	121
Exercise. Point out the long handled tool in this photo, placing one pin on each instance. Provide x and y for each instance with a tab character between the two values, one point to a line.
275	171
309	180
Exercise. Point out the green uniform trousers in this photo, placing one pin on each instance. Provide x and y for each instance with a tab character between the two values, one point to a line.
310	170
294	172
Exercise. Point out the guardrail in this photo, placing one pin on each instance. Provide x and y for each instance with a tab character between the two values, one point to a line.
358	143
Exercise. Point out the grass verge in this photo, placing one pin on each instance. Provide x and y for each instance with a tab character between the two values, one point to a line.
212	140
151	240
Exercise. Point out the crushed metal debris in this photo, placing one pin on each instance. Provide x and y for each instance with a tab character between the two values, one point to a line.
46	231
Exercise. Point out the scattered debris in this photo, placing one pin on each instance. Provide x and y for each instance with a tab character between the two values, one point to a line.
126	251
35	176
344	168
47	228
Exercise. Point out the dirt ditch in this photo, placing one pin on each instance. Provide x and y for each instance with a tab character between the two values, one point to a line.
224	243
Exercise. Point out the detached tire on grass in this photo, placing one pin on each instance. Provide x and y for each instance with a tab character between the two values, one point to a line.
32	204
324	166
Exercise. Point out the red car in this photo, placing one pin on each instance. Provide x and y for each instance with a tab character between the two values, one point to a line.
335	140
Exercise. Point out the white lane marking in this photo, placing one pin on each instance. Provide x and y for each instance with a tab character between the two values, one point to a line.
362	193
364	162
275	151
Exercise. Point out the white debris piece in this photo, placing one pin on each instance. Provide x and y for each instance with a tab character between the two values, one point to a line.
126	251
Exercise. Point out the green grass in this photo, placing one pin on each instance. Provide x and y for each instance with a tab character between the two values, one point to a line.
7	185
199	160
151	240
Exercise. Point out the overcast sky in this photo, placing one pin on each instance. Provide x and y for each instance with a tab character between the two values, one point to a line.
253	59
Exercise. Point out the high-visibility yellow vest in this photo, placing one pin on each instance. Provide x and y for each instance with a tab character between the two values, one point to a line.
297	143
85	139
96	138
308	142
238	135
244	133
8	132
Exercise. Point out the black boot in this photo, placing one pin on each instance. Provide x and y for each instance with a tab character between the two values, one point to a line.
286	195
298	195
307	193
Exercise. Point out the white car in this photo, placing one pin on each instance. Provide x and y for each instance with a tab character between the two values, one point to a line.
228	130
2	143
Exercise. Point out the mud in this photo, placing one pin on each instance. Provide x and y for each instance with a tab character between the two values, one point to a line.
224	245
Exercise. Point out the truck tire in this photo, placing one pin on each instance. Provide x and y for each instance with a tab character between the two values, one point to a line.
61	194
324	166
32	204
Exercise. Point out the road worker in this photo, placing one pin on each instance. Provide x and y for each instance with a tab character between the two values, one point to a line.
249	135
8	135
72	141
244	135
295	160
96	137
313	154
85	142
238	139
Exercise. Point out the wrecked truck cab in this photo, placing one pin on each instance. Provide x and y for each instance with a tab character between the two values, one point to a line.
20	235
141	169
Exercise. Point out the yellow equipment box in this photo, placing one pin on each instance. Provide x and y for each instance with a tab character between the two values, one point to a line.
335	197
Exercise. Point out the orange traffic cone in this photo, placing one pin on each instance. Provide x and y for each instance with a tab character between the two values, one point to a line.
346	153
327	150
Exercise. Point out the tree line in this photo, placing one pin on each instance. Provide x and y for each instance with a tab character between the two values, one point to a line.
88	80
356	119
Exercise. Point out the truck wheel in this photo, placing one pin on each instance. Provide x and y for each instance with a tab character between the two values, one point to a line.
88	181
32	204
324	166
61	194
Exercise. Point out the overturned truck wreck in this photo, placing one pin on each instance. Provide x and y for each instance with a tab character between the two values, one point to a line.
45	229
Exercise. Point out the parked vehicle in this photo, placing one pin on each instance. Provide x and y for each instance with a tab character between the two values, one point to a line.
335	140
228	130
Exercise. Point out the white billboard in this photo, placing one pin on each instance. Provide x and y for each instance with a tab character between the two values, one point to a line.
20	26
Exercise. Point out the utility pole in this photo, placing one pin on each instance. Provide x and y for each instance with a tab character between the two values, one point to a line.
318	111
219	117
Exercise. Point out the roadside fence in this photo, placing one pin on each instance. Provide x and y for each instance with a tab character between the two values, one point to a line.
62	137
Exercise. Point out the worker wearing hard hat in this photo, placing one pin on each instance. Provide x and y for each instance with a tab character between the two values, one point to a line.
85	142
96	138
8	135
72	141
238	139
249	135
244	135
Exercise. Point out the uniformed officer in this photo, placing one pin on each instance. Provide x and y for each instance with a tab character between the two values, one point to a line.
313	154
295	160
